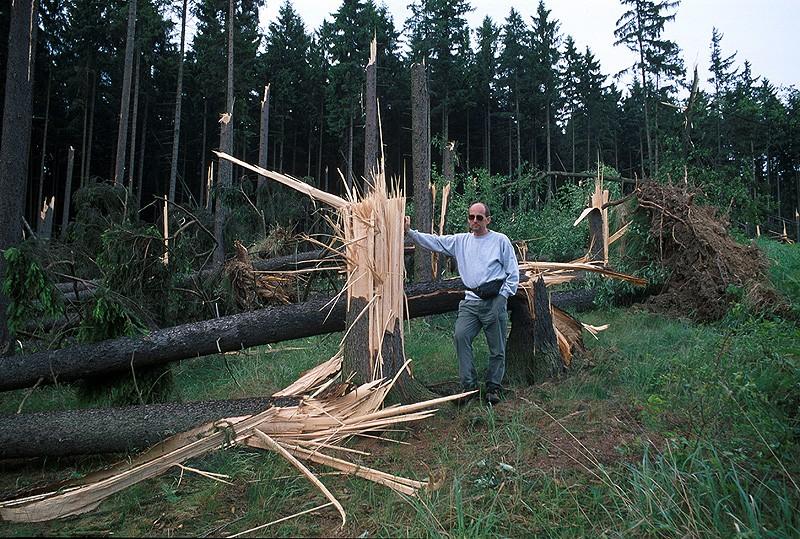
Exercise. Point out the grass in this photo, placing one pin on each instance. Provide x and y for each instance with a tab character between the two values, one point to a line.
665	429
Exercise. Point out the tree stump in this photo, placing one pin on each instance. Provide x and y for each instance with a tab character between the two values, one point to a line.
532	331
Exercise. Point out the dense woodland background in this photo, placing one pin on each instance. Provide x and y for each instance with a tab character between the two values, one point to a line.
515	95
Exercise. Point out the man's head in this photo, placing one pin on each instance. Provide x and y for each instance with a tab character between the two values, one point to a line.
478	218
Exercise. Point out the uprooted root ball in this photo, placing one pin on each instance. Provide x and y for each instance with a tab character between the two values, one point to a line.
708	270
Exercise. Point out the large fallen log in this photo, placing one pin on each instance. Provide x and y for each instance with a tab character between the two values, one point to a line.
114	430
225	334
111	430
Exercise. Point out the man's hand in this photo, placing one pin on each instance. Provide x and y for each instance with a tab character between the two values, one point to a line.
406	223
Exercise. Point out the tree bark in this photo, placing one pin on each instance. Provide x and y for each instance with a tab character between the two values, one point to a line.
263	140
533	332
125	101
44	141
596	247
111	430
90	139
14	147
225	168
82	178
204	173
225	334
140	169
350	178
420	104
176	130
371	154
134	122
67	192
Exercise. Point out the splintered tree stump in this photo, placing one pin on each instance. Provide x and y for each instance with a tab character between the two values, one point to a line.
356	344
595	219
532	353
519	364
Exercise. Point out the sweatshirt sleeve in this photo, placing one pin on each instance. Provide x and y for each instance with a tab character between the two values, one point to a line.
509	287
432	242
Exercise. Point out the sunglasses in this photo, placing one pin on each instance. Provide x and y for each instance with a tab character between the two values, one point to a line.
478	218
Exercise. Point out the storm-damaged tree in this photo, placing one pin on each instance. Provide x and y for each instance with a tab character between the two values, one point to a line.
17	110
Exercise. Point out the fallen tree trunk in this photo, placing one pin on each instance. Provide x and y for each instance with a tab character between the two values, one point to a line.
225	334
111	430
114	430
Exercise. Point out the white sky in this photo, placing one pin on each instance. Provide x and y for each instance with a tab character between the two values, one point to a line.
765	32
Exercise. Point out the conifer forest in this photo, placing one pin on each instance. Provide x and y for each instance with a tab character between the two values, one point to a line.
194	199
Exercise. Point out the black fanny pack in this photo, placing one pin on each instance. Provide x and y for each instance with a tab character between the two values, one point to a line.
488	290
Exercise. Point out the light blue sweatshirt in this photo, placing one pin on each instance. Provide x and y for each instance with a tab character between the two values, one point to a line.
480	259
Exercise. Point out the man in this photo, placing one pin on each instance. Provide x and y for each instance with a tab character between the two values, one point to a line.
488	268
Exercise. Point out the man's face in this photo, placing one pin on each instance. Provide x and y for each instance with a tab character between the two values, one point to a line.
477	219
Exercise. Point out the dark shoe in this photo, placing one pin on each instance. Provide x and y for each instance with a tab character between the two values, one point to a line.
492	398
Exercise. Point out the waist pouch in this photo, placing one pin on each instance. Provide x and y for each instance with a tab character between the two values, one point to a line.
488	290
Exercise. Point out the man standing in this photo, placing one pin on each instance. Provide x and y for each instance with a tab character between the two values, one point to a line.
488	268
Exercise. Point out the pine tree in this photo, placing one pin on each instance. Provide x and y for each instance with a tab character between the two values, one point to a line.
487	37
514	75
439	35
545	40
122	129
287	69
721	76
640	29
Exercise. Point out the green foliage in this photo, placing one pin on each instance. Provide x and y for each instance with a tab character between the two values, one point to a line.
28	287
98	206
107	318
549	231
785	268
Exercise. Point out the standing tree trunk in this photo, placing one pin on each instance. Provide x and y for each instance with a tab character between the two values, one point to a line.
44	142
85	127
140	170
134	122
67	192
518	121
488	134
423	211
319	147
226	145
14	147
466	152
204	167
263	146
350	152
90	139
125	101
176	130
371	154
550	179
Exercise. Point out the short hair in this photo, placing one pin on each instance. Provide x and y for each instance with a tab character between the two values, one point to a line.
485	207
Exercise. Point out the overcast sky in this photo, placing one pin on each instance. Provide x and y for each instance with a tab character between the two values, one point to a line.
765	32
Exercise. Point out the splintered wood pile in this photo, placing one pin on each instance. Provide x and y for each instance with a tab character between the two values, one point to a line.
324	410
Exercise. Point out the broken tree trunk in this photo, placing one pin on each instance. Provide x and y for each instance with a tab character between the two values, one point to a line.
111	430
532	329
423	211
371	152
225	334
67	192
